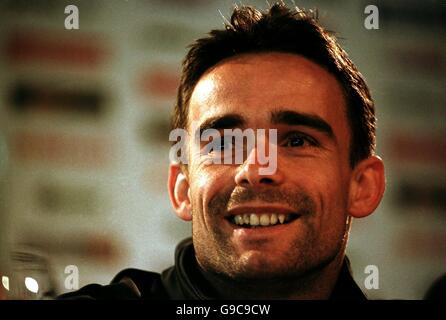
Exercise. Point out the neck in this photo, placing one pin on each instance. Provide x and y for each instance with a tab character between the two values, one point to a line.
316	284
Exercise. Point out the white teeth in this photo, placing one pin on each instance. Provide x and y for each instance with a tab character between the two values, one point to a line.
281	218
264	219
254	219
238	219
273	219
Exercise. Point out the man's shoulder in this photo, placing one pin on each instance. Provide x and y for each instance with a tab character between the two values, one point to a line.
128	284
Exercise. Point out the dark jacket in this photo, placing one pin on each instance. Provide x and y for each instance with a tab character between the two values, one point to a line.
184	281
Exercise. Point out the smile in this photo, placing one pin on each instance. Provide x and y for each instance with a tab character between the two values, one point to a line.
253	220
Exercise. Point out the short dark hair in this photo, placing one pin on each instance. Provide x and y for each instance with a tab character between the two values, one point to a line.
281	29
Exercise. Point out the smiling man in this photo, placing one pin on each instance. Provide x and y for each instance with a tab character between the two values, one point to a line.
305	202
280	235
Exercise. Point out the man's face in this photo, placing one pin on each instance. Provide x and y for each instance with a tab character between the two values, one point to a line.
310	187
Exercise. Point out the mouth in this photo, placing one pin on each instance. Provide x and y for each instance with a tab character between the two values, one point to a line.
261	220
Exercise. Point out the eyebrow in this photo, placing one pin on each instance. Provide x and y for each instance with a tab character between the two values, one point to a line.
294	118
287	117
226	121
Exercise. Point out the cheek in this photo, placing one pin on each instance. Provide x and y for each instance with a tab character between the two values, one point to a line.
328	187
333	192
333	215
207	181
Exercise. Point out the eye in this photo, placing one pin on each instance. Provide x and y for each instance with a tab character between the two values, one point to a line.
219	145
296	139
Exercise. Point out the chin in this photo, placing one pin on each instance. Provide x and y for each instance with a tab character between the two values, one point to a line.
258	265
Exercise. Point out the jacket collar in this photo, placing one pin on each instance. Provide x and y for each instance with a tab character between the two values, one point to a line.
185	280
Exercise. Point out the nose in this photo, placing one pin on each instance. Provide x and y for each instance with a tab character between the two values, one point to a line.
249	174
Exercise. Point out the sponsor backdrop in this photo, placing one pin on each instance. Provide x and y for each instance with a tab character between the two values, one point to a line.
84	123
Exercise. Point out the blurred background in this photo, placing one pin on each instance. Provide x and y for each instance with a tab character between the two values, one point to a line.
84	123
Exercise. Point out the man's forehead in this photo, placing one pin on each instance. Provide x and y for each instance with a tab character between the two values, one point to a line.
277	69
253	85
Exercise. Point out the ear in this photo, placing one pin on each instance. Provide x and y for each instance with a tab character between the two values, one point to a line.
367	187
178	187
